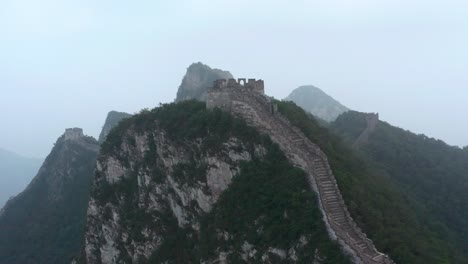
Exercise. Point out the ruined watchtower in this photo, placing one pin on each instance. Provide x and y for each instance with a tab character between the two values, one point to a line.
223	91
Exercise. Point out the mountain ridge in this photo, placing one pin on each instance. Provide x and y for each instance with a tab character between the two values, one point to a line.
196	81
317	102
52	207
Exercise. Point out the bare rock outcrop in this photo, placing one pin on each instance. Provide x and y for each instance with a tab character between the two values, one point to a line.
171	184
197	80
113	118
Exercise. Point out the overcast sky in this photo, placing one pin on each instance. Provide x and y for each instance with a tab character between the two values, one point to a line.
67	63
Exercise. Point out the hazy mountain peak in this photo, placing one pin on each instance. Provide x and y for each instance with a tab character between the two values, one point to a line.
52	208
198	78
317	102
113	119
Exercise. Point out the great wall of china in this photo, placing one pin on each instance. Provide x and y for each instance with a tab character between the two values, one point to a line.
248	100
372	120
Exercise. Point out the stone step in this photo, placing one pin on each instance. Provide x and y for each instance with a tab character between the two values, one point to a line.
331	196
342	222
327	187
331	200
336	206
336	212
361	244
327	181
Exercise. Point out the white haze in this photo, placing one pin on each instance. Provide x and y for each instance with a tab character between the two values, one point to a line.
67	63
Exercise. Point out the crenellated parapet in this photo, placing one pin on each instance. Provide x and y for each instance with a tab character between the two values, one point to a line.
73	133
241	83
224	91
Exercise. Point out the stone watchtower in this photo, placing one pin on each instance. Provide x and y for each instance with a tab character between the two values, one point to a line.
220	95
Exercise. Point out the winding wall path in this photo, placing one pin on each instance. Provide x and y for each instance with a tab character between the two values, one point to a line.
372	122
258	111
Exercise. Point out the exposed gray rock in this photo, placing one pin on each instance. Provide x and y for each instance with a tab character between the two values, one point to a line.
109	239
112	120
197	80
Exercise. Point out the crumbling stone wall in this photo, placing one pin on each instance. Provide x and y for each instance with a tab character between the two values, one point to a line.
73	133
259	112
372	122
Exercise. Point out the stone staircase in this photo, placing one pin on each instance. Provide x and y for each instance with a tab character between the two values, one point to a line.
259	112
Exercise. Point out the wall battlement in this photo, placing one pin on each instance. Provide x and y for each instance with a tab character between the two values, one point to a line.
73	133
253	84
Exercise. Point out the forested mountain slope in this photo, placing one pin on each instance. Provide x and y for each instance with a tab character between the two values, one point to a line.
431	176
182	184
377	203
45	223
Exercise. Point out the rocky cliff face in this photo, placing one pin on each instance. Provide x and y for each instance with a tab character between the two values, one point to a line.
44	223
316	102
180	184
112	120
197	80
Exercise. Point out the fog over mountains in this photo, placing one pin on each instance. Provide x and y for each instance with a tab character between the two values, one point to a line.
237	185
15	173
409	57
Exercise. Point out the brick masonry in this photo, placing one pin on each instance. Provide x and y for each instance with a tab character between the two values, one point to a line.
250	103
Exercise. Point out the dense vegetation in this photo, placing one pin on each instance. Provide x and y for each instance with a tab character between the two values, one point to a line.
268	204
432	176
274	207
376	203
45	223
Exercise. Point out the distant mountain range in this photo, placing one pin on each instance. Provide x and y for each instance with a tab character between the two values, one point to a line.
15	173
184	184
431	175
45	223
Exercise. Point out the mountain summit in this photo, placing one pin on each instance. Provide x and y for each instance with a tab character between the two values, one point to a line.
197	80
113	119
44	223
317	102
